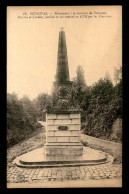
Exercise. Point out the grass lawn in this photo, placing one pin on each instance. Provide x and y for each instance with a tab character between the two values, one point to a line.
112	148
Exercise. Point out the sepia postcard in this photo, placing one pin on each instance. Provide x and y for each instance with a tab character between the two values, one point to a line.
64	96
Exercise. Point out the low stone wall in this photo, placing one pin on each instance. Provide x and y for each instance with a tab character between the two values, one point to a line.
113	148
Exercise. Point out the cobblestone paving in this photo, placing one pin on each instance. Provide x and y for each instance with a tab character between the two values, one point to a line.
103	171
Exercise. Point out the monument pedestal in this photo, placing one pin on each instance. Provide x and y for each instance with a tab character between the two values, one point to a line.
63	134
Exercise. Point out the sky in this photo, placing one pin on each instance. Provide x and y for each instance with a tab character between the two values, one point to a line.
94	43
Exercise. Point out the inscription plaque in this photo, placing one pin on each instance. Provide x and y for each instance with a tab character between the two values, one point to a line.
63	128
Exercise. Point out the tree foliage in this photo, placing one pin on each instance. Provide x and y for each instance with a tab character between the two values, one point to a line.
79	87
21	118
43	102
117	74
101	105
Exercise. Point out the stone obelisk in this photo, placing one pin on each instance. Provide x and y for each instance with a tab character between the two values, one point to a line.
63	122
62	74
62	85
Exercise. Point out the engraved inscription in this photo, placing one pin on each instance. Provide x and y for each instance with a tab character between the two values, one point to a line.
63	128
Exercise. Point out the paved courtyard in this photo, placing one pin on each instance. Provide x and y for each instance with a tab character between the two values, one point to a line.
40	175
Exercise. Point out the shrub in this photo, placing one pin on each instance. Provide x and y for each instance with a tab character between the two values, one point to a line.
21	119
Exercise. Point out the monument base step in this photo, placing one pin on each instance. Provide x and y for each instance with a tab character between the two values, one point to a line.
38	159
19	164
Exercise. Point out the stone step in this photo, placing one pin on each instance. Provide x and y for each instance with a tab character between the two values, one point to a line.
59	165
